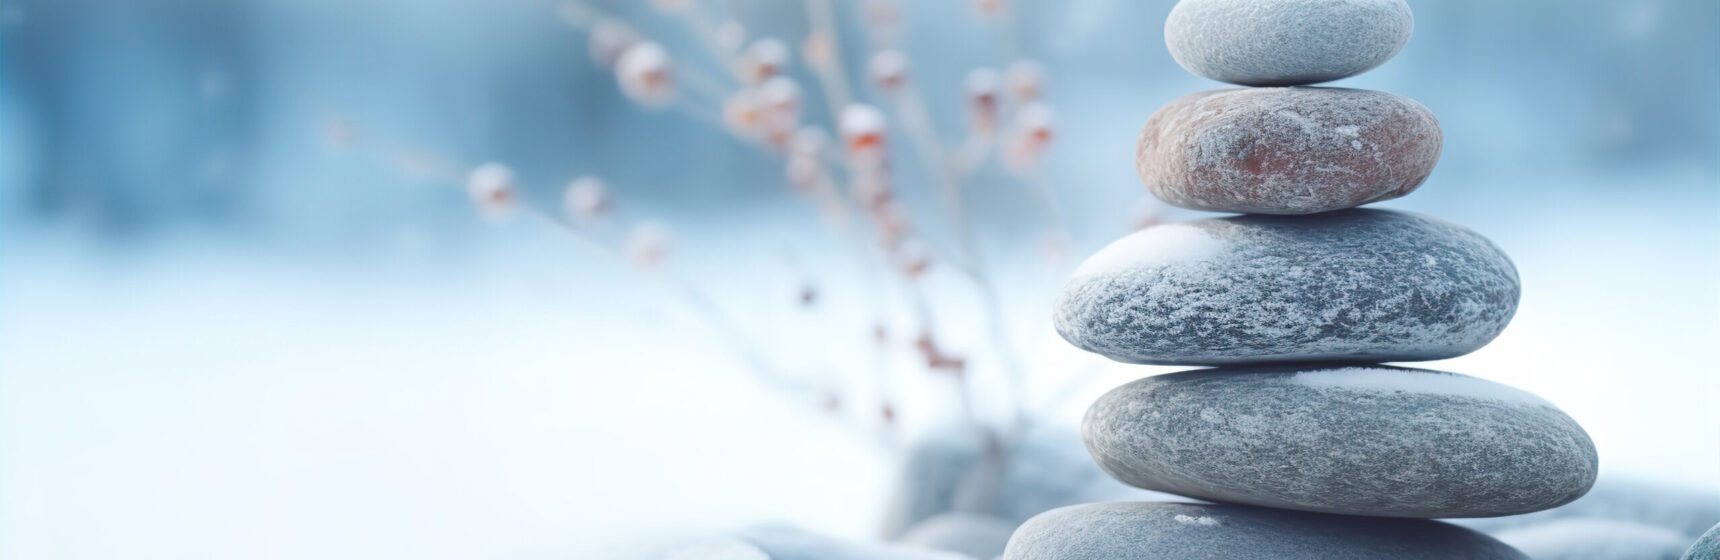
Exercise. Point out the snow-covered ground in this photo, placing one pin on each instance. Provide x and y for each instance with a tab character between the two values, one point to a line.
530	401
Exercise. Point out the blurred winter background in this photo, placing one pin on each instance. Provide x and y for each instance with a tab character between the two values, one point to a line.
247	308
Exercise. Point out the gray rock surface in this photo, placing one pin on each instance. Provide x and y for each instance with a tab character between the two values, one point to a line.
1285	42
1372	440
1707	547
1688	510
1286	150
1353	285
979	536
1593	538
1154	530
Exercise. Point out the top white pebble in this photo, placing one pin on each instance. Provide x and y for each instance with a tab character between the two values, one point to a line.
1285	42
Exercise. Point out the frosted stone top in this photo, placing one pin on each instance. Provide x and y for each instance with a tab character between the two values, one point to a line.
1176	531
1156	246
1377	380
1285	42
1376	441
1354	285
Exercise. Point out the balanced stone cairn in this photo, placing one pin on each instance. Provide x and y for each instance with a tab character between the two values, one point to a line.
1303	444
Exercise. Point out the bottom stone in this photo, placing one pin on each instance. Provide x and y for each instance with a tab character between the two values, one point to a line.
1158	530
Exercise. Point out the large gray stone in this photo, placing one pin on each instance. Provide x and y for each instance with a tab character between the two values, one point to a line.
1595	538
1707	547
1353	285
1374	440
1286	150
1153	530
1285	42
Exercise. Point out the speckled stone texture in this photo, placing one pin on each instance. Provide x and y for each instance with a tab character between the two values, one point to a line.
1707	547
1353	285
1286	150
1373	440
1154	531
1285	42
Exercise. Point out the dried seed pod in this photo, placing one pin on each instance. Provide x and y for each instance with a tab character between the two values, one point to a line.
863	133
982	87
586	199
492	187
779	103
763	59
914	258
742	114
888	69
645	74
1029	136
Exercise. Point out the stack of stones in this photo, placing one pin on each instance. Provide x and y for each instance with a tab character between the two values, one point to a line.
1300	442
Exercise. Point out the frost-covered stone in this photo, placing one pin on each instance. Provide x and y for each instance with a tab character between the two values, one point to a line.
1690	511
979	536
1371	440
1352	285
1707	547
1155	530
1286	150
1285	42
1593	538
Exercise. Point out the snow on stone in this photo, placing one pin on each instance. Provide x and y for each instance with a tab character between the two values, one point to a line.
1152	247
1381	380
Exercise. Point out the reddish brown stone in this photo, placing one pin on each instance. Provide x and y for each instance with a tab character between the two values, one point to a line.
1296	150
